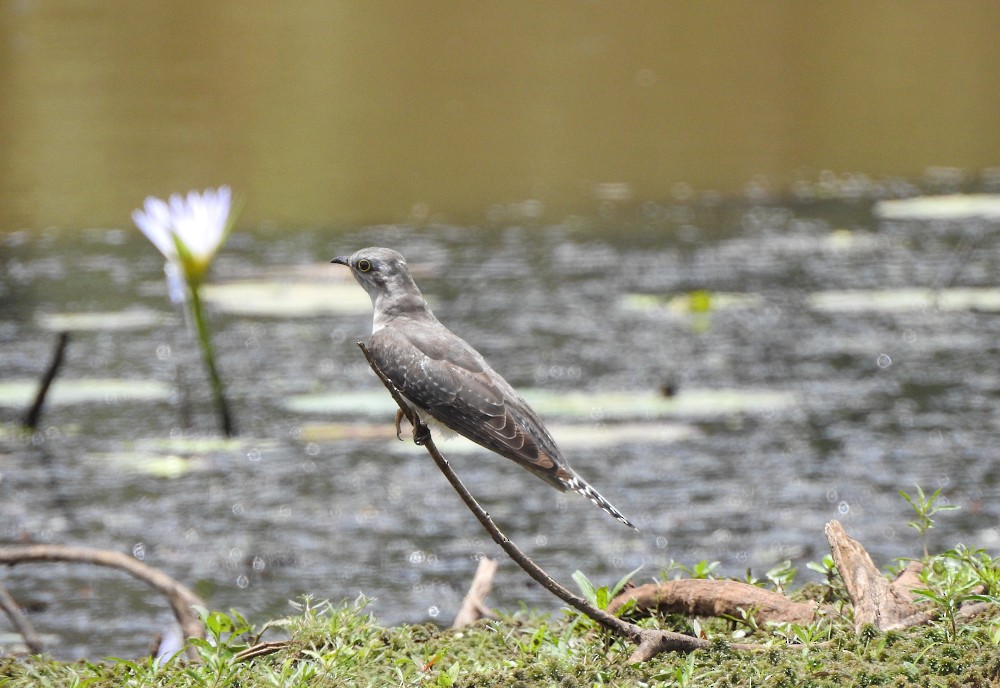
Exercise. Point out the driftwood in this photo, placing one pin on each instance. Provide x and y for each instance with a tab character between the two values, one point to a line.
886	605
474	605
181	599
725	598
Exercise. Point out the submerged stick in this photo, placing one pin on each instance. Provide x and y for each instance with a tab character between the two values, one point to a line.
34	414
650	642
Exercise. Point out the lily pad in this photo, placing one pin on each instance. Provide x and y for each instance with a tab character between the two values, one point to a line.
20	393
609	406
287	299
156	465
946	207
102	321
906	300
695	302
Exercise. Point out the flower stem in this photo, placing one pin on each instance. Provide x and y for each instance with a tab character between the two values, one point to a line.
208	355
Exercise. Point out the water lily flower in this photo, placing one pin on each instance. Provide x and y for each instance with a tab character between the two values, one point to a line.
188	231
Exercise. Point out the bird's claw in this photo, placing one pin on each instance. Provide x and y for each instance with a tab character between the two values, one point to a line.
399	419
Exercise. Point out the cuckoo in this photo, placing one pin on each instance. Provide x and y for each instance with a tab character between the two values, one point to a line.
441	376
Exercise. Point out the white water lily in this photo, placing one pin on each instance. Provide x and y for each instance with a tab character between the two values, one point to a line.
187	230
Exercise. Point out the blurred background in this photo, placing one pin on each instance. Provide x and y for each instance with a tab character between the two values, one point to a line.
373	111
661	220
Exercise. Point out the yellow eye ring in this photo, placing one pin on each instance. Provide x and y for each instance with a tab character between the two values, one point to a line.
364	265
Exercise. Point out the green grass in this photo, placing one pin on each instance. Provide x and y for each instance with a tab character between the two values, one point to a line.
343	645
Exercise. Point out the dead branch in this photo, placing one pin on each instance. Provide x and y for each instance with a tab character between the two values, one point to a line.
725	598
21	623
650	642
181	599
474	605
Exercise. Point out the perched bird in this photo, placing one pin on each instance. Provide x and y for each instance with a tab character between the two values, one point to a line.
440	375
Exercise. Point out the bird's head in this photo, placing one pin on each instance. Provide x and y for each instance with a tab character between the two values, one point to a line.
381	271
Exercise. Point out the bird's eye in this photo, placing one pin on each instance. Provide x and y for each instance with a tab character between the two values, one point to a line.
364	265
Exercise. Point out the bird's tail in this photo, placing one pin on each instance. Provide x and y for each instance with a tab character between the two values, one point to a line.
578	484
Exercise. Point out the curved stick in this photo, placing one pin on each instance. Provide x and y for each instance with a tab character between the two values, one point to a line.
181	598
650	642
21	622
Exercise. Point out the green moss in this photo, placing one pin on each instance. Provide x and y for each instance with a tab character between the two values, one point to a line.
342	645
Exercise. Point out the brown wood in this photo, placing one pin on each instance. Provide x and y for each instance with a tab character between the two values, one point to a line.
474	605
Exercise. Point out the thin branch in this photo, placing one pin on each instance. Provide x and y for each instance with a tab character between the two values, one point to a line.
181	599
650	642
21	622
34	414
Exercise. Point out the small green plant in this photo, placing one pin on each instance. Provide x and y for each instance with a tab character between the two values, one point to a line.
226	634
833	586
951	580
925	507
602	596
782	575
703	569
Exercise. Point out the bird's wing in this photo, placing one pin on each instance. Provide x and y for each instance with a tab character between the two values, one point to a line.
448	379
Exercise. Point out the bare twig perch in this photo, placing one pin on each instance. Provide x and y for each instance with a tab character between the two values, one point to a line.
181	599
650	642
474	605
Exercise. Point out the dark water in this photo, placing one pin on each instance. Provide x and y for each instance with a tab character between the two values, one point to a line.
882	400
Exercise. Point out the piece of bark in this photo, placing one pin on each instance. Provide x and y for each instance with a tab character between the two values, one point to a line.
700	597
474	605
876	601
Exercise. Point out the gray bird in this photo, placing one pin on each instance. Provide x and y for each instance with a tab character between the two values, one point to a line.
440	375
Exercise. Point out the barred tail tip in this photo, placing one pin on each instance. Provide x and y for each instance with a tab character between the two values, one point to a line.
577	484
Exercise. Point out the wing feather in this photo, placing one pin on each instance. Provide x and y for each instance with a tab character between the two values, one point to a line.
445	377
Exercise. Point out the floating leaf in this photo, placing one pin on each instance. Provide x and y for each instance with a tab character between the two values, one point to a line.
946	207
287	299
20	393
156	465
906	300
696	302
101	321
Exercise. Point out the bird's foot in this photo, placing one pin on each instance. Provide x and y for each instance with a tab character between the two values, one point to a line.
421	433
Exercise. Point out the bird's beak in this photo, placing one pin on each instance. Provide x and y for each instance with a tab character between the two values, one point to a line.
343	260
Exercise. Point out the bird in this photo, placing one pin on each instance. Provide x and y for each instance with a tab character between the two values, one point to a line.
442	376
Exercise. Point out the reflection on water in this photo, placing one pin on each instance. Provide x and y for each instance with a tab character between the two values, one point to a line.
352	112
872	401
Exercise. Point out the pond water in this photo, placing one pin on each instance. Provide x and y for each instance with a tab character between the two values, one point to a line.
731	377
